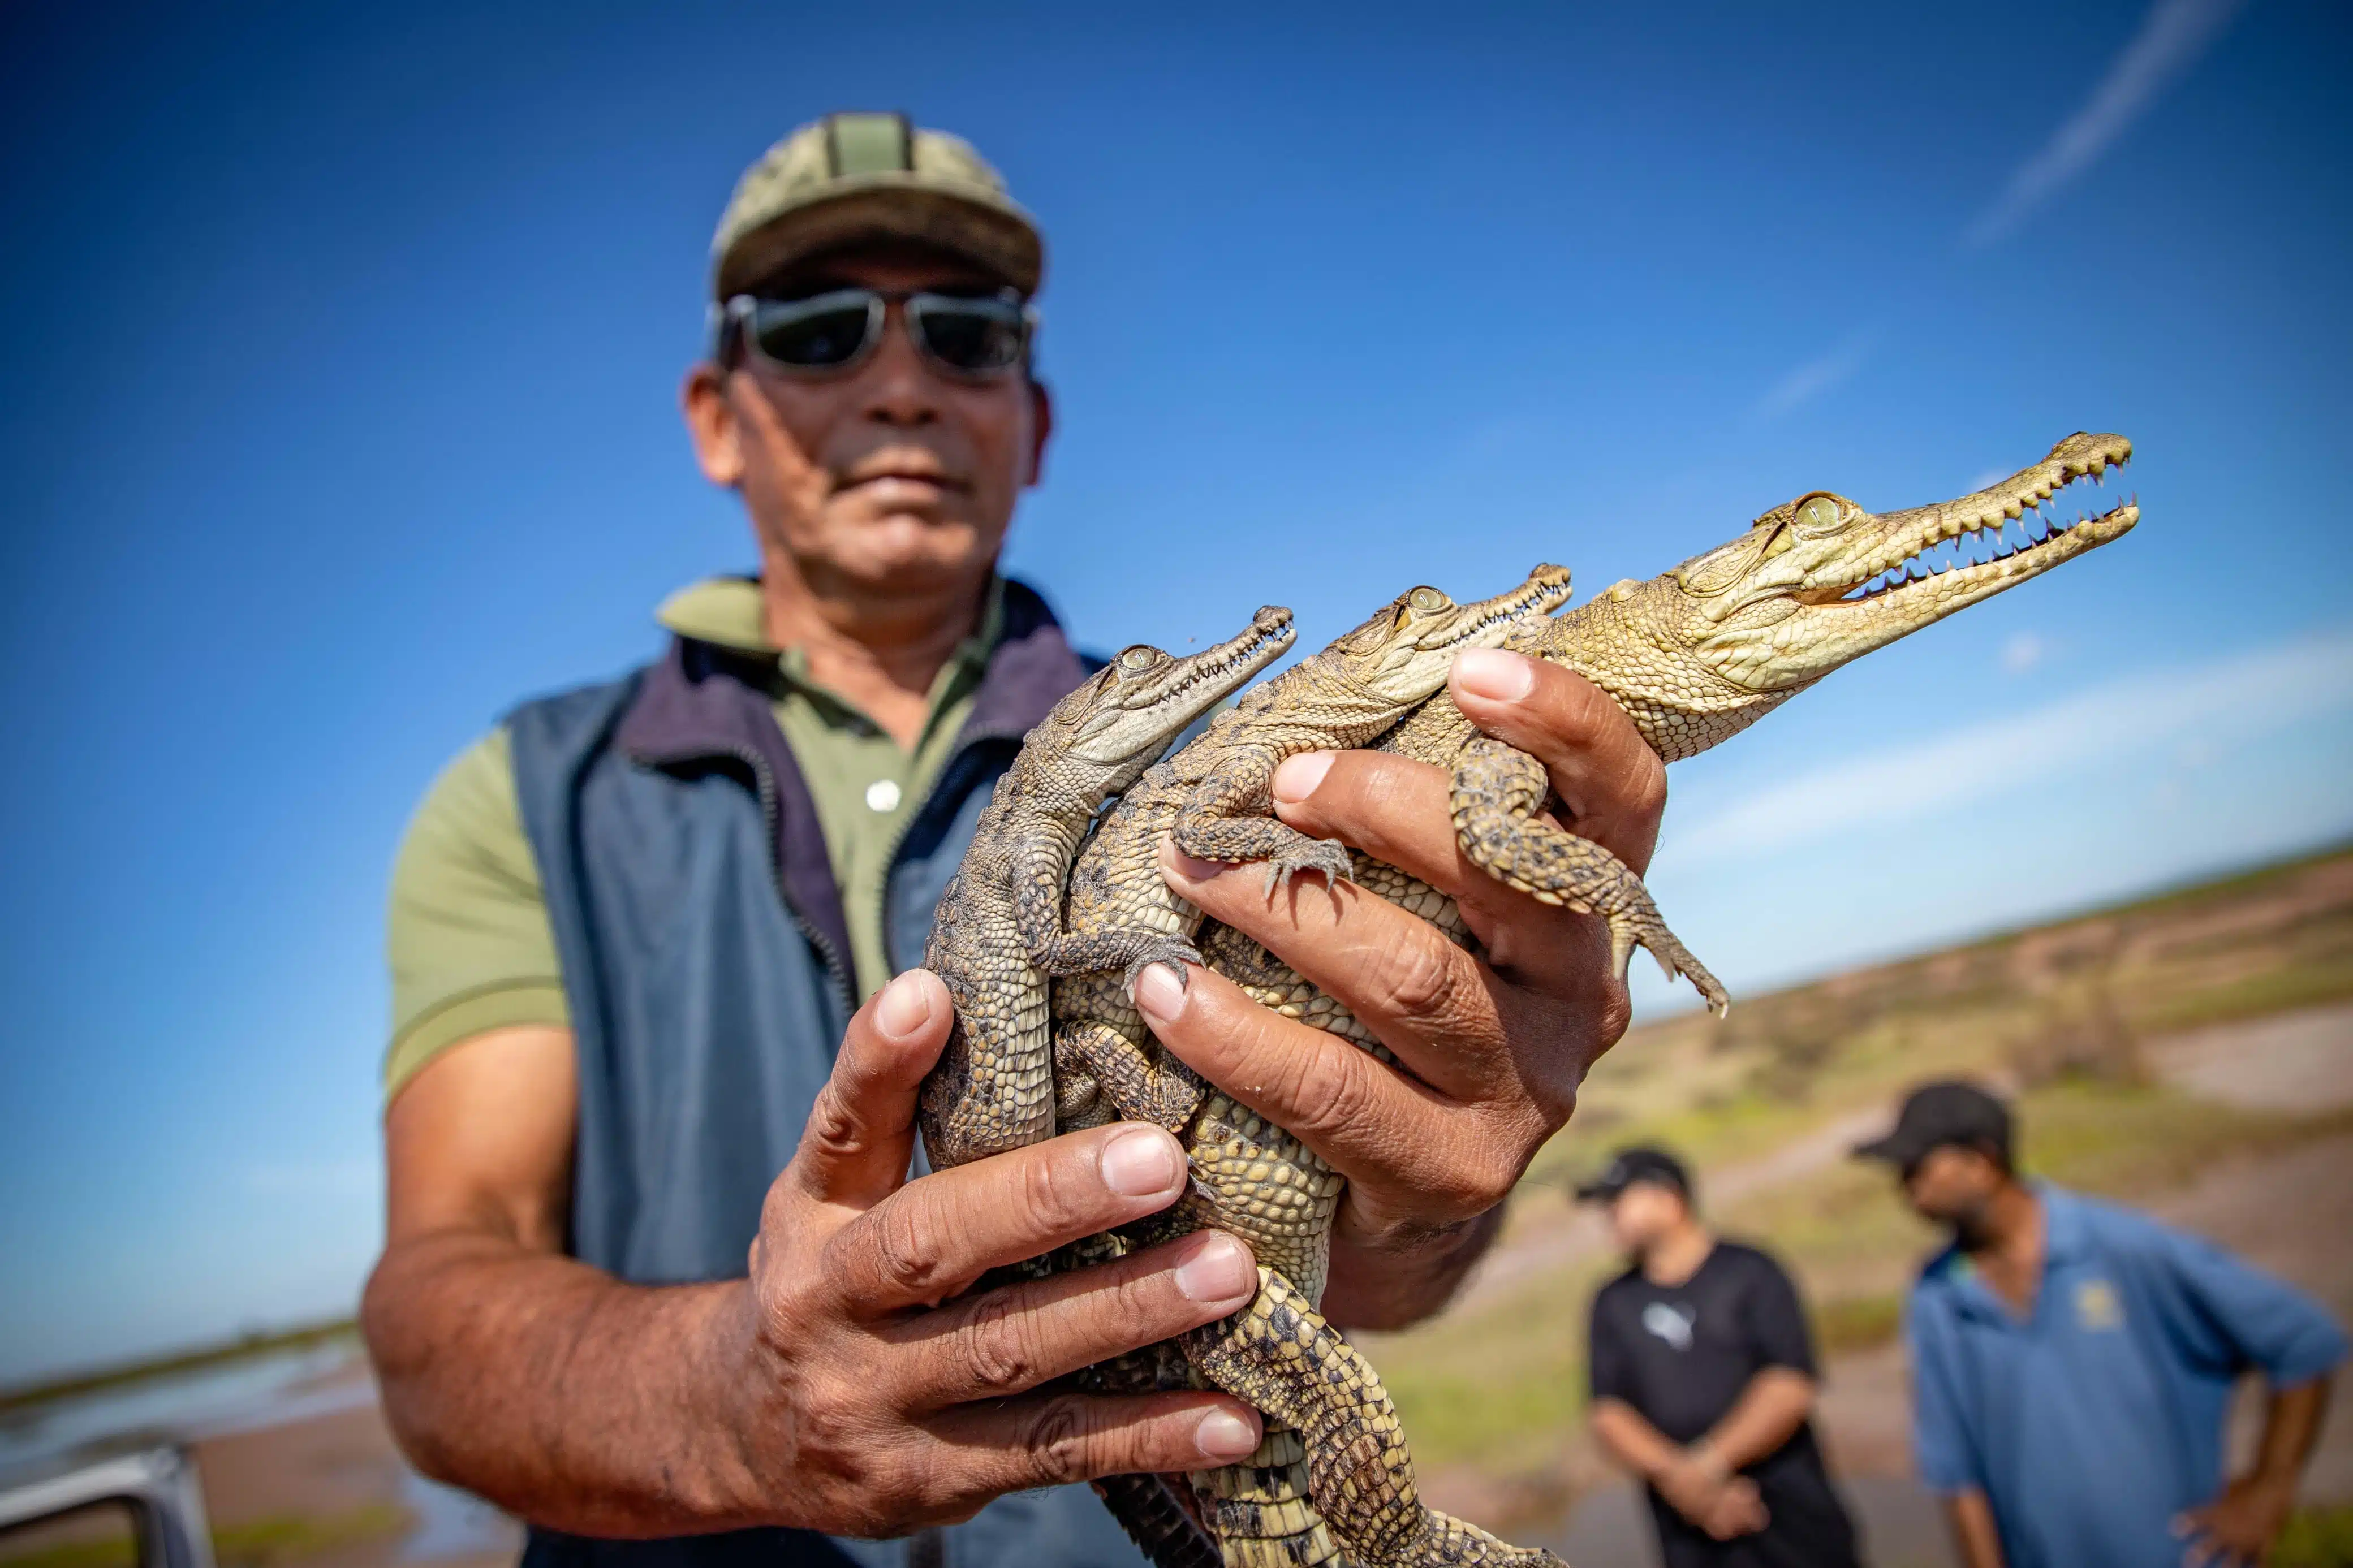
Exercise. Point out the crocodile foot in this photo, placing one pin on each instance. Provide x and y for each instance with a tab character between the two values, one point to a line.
1173	951
1142	1083
1496	798
1327	856
1629	931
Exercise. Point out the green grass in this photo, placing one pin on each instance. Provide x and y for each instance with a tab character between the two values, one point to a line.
2315	1538
1857	1323
255	1543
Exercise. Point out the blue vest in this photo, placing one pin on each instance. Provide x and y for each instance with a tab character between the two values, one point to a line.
705	960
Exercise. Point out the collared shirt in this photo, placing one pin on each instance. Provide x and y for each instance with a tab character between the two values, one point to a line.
468	933
2094	1419
865	785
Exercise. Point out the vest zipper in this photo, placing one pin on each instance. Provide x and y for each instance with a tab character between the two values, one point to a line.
771	811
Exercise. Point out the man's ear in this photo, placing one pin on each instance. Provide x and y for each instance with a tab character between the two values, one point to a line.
711	421
1041	425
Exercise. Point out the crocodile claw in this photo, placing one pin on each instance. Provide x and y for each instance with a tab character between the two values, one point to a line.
1327	855
1174	952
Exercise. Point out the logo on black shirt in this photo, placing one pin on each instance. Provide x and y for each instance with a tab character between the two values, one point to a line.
1670	1323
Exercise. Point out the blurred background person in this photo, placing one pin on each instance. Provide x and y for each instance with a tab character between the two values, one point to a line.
2073	1363
1704	1383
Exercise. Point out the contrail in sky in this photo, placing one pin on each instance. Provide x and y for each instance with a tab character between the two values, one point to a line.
2171	37
1816	377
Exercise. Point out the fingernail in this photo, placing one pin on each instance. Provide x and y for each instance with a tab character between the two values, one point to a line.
1226	1437
1493	673
903	1006
1160	993
1140	1163
1219	1271
1299	776
1175	862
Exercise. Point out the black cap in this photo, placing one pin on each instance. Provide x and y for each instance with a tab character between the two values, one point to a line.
1655	1166
1936	1114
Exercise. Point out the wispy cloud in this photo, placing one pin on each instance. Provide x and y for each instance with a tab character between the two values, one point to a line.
1816	377
2172	37
2023	652
2247	694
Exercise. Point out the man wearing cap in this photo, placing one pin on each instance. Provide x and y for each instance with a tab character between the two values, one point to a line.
2073	1363
631	928
1702	1383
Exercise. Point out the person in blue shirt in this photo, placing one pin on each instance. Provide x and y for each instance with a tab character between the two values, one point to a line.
2073	1363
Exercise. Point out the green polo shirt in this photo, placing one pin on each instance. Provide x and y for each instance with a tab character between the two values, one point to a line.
467	934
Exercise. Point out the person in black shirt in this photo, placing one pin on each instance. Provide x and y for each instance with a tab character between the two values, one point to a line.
1703	1379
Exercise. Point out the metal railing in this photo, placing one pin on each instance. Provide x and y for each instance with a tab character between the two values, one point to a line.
159	1487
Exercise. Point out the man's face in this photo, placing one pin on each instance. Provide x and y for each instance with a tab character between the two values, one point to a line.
892	474
1644	1213
1952	1185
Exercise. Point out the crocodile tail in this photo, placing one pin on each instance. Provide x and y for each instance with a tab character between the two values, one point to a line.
1258	1509
1280	1354
1147	1509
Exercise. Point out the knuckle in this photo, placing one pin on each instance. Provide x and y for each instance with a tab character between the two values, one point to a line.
1055	1196
1062	1441
1001	1344
1421	975
1326	1087
832	1128
903	1246
1466	1184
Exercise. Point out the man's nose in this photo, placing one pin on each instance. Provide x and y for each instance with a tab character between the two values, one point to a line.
896	387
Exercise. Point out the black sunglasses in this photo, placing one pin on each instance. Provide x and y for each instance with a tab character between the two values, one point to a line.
973	337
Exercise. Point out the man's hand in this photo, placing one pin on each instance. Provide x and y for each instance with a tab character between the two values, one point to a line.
879	1396
2237	1528
855	1383
1722	1505
1495	1045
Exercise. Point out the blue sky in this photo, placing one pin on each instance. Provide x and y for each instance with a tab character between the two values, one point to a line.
342	347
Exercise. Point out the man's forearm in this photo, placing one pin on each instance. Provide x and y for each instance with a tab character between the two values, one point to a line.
2290	1429
558	1393
1632	1441
1769	1412
1975	1540
1384	1285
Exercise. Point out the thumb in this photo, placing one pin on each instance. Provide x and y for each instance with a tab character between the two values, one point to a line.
861	1131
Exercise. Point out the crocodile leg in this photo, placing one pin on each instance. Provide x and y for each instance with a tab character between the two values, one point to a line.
1053	952
1496	795
1094	1058
1281	1355
1231	818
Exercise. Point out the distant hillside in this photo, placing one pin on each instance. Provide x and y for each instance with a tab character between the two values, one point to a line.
2072	998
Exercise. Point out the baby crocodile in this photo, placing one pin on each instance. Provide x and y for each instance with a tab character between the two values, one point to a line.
1693	656
1000	925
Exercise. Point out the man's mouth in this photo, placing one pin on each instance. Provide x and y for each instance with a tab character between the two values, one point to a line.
904	474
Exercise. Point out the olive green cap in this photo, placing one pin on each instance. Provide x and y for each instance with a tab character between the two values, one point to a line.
853	177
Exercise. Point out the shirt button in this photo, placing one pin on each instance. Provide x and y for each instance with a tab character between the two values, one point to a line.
882	794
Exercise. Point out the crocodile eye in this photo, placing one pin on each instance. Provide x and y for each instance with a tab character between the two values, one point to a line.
1429	601
1139	659
1819	511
